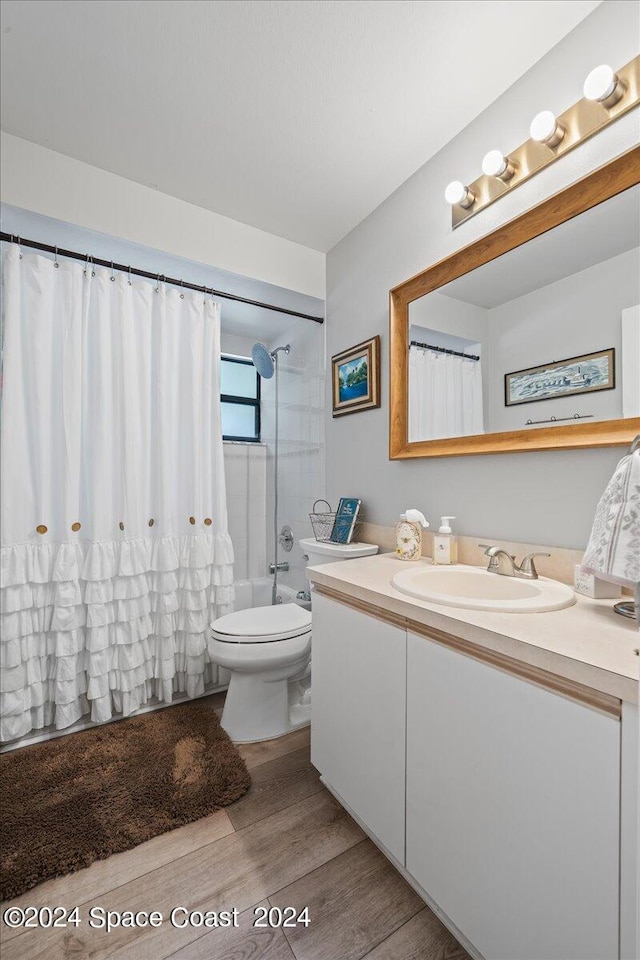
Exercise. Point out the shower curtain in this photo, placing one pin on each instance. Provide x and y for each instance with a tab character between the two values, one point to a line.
445	396
115	550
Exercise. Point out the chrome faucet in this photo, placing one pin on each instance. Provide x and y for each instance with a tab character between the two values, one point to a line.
505	564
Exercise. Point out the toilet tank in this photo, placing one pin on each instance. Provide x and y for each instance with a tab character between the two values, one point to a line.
319	551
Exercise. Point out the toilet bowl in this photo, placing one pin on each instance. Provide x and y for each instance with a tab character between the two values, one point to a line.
267	651
264	649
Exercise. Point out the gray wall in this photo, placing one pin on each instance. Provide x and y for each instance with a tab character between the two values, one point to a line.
537	497
573	316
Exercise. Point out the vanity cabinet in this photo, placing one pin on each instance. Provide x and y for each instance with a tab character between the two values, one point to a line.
512	808
358	730
498	797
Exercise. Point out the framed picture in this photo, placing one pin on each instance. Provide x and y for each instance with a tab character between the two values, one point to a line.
562	378
356	378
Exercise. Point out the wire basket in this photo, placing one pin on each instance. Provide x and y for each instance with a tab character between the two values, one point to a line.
322	522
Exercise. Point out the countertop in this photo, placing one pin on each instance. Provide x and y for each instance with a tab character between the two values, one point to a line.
587	643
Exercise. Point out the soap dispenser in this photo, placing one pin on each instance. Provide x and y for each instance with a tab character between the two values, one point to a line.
409	535
445	545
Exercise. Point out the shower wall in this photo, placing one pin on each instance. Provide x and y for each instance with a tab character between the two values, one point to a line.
249	466
302	449
245	468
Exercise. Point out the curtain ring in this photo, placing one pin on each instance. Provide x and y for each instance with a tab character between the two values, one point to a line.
129	281
158	284
55	257
181	294
112	278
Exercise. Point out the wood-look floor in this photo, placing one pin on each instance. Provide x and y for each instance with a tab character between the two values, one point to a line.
287	842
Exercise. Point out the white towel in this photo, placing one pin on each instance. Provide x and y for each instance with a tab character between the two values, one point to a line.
613	552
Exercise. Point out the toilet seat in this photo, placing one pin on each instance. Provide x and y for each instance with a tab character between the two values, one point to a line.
263	624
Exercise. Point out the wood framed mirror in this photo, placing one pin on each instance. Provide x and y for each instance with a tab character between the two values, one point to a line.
528	338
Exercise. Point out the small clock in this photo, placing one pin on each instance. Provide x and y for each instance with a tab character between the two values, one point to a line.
408	541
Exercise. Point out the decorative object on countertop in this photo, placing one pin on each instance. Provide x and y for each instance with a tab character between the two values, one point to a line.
562	378
590	585
445	545
121	784
613	552
355	375
323	522
346	517
409	535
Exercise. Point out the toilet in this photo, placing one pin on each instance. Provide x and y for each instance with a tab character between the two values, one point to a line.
320	551
267	651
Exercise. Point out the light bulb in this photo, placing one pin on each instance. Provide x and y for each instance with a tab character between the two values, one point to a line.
603	85
546	129
495	164
458	194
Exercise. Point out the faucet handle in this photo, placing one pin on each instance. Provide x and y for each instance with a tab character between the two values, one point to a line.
491	550
528	566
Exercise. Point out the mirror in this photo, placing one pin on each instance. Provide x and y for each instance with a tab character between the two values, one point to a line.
537	346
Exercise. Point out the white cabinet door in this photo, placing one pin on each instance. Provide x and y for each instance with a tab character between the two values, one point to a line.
358	699
512	809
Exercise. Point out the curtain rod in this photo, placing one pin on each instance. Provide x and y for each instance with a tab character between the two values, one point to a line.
137	272
455	353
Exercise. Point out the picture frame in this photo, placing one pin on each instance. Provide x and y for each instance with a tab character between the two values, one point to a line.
355	377
587	373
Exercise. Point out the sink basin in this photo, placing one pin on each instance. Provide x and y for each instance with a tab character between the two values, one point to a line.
475	589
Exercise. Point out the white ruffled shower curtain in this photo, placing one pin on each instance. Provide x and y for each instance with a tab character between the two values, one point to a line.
115	549
445	395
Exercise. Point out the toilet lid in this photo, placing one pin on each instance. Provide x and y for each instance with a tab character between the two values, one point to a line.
262	624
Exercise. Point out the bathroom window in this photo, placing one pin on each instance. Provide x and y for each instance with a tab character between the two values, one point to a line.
240	400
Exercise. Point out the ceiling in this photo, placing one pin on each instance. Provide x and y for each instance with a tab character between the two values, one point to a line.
603	232
295	117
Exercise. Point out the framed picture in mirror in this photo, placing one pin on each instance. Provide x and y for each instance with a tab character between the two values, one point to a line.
562	378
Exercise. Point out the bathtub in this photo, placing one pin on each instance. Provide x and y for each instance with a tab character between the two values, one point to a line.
252	593
257	593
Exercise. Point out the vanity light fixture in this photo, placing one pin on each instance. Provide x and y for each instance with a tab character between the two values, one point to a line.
497	165
546	129
457	193
608	95
603	86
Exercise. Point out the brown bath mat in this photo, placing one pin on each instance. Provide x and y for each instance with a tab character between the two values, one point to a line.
80	798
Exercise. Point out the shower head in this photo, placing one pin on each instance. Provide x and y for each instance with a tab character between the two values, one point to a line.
264	360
